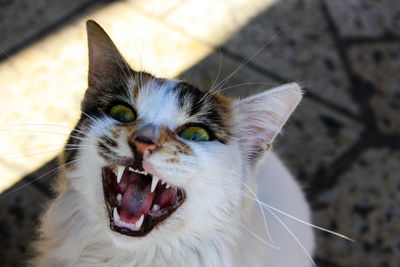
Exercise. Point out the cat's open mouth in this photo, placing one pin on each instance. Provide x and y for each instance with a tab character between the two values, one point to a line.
137	201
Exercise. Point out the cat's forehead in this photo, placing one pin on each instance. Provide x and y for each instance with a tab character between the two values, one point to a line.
156	102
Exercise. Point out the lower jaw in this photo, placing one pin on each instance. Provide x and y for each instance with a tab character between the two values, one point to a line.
149	222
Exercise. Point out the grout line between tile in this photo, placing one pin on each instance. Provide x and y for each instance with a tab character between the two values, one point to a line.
270	74
51	28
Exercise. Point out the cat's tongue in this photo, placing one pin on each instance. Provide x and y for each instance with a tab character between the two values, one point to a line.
136	199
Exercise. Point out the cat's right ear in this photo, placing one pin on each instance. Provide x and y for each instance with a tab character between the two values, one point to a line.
260	118
105	61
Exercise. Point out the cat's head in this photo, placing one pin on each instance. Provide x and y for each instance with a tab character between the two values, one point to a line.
159	158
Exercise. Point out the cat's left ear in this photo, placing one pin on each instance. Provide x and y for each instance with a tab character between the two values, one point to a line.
259	118
105	61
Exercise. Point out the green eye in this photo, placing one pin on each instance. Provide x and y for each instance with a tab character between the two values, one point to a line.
195	133
122	113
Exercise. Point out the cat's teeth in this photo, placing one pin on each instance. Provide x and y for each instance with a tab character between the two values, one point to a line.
137	171
119	198
155	207
139	223
163	182
168	186
116	215
154	183
121	170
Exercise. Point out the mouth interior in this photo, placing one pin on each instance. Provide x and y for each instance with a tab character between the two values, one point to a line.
137	201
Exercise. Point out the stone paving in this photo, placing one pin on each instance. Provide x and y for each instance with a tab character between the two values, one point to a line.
343	142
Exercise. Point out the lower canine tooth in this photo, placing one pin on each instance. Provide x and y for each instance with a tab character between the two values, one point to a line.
139	223
155	207
116	215
121	170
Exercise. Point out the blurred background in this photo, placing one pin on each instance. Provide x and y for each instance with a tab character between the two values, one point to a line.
342	143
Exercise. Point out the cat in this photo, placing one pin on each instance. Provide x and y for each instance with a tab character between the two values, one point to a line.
160	173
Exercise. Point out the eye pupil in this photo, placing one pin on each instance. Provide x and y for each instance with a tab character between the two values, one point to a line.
122	113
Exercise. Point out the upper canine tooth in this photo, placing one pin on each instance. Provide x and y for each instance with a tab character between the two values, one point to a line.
154	183
139	223
121	170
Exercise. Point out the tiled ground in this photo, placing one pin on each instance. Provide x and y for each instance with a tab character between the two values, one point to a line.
343	143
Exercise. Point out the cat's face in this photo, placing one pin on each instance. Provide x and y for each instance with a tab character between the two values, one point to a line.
159	158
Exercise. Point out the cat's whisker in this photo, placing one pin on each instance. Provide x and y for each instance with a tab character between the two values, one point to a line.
32	149
77	145
87	115
214	89
265	205
71	104
5	127
302	221
268	234
254	234
41	131
258	237
219	68
261	210
36	179
241	84
244	63
293	236
35	154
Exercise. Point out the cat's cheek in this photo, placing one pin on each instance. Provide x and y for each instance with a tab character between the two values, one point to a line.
149	167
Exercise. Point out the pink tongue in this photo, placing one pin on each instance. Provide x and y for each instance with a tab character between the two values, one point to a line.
135	202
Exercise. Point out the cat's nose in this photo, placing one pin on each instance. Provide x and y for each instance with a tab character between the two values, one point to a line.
145	140
144	146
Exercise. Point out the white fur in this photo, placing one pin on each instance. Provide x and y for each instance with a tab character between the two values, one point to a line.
208	229
158	105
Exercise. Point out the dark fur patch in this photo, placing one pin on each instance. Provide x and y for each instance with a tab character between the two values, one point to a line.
210	110
105	152
74	139
107	140
141	79
168	137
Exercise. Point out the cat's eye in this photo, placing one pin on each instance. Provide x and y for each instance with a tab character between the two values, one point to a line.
195	133
122	113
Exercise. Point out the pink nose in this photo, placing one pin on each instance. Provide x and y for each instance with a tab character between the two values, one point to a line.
143	146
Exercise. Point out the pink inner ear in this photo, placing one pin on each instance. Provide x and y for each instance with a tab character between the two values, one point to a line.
267	135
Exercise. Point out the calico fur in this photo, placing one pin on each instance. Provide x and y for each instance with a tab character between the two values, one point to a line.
217	223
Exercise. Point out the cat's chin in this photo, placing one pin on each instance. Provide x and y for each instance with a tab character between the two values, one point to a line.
137	201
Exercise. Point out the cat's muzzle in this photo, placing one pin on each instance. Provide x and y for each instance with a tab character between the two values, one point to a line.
137	201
